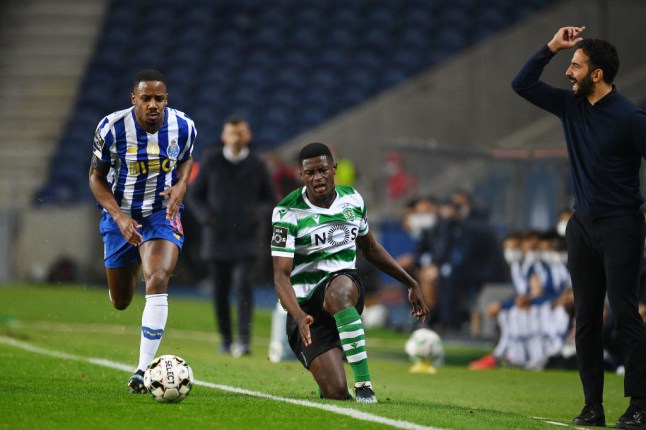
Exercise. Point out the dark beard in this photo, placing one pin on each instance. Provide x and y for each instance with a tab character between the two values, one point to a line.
585	86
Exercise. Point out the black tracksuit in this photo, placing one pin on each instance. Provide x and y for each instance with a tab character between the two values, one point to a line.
232	201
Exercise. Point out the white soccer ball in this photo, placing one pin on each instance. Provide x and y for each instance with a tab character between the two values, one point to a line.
425	344
168	379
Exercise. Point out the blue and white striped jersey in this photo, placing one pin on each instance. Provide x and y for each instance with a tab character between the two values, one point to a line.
141	164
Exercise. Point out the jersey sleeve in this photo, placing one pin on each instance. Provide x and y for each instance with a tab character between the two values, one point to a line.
191	135
103	140
528	85
283	233
364	228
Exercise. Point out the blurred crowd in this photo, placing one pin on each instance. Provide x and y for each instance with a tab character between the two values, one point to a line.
457	257
456	252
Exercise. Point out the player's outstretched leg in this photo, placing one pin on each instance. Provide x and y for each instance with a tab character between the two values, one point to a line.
353	340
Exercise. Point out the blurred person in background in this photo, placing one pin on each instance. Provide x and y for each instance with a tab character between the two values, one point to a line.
605	136
139	172
346	172
283	174
231	197
400	184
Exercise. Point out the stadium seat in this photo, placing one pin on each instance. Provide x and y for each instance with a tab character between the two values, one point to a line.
287	65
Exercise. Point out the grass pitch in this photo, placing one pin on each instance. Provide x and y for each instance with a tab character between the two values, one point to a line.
67	354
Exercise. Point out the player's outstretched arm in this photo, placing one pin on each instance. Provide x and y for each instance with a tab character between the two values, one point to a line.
565	38
287	297
175	194
103	194
380	258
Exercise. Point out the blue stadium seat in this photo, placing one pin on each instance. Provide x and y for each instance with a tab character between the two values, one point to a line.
287	65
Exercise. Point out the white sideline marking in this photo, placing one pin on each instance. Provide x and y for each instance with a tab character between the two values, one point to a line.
352	413
556	423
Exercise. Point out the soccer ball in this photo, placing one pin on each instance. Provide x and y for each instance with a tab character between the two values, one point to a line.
425	344
168	379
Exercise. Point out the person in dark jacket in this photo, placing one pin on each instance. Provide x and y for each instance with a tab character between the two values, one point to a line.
231	197
605	135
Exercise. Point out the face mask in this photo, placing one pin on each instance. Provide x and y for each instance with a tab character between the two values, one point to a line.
421	222
532	256
550	257
512	255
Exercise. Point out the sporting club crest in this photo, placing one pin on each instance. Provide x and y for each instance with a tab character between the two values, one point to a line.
348	212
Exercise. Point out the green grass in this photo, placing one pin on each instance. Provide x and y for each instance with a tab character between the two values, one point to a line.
41	391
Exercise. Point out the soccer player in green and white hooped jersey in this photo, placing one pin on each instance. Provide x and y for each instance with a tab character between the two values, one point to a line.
316	231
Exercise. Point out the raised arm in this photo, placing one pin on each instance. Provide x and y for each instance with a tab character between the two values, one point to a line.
527	83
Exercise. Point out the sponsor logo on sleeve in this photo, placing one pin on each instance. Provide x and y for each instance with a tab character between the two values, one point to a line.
98	141
279	237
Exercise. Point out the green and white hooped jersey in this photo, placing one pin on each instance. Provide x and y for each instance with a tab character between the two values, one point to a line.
321	241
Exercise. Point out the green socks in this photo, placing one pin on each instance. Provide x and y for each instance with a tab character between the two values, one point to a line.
353	340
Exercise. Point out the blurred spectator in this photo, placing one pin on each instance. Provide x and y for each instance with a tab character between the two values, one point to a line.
284	175
420	220
232	198
466	209
534	324
346	172
399	183
455	258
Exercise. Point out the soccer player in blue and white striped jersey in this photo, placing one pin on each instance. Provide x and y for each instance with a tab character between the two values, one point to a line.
139	173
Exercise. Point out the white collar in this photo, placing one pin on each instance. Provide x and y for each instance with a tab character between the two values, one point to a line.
235	159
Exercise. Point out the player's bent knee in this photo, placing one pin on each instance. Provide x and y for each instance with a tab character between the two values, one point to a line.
157	283
335	393
120	304
338	396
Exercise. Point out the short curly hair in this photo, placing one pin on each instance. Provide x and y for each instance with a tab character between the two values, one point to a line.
149	75
314	150
602	56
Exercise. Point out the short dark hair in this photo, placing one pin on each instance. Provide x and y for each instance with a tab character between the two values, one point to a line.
602	56
148	75
314	150
235	120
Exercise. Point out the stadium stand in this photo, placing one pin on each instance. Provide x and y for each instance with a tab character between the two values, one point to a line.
43	49
287	66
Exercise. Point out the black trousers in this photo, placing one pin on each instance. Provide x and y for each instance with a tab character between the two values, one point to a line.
605	256
234	276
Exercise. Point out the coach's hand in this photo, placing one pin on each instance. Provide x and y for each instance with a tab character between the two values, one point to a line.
565	37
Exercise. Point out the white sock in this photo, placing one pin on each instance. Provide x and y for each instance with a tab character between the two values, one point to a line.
153	322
